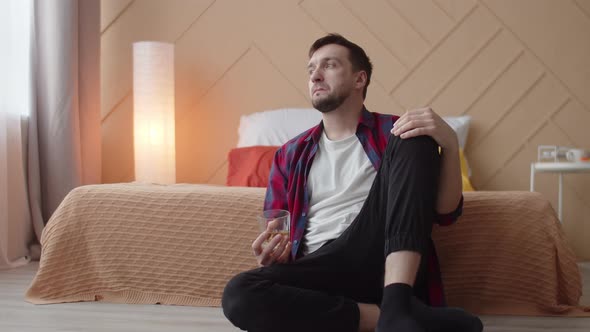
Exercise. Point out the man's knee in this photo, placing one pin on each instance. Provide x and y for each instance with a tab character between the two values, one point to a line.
419	143
238	299
420	148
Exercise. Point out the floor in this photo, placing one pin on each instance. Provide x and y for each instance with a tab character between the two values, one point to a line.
21	316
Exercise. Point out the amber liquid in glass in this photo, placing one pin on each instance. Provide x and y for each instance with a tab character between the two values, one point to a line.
273	233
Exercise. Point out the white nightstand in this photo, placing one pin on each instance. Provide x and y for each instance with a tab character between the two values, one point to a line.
558	167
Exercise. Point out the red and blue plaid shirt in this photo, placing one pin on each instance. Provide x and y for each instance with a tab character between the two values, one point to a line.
287	185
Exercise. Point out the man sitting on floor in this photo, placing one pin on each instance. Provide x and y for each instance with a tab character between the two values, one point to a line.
364	190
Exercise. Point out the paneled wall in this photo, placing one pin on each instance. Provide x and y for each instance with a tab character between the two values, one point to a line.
521	69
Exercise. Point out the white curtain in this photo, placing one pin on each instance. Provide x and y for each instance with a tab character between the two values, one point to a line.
16	230
49	115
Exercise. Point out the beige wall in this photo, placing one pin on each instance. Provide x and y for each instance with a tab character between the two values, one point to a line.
521	69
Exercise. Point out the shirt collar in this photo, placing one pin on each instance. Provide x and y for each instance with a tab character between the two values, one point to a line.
366	119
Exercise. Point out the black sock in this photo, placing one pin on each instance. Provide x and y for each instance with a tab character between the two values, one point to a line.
445	319
396	313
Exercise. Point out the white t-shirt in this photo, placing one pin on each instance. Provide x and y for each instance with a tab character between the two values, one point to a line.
339	181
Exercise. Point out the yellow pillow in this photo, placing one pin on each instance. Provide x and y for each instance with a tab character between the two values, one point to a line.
465	172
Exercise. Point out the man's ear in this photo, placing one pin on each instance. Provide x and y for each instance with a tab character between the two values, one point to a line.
361	79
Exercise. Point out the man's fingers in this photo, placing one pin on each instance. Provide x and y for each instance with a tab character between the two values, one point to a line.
280	248
257	244
404	120
409	125
416	132
267	252
286	253
272	225
418	113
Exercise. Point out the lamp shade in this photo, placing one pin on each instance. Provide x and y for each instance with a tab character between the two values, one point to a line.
153	112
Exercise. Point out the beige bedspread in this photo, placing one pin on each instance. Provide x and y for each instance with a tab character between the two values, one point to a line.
180	244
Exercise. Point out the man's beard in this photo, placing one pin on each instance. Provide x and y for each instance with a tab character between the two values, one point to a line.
329	103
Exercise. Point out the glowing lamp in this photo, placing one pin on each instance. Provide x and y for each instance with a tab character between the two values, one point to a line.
153	112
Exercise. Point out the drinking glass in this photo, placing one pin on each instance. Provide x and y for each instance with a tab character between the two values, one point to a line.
281	225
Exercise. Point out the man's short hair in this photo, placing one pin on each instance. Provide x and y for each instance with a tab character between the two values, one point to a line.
357	56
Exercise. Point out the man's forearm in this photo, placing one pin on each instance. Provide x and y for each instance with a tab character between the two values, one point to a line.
450	185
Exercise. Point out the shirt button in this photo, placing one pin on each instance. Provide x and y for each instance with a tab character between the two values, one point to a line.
295	242
303	214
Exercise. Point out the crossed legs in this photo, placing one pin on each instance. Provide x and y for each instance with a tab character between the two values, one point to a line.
338	287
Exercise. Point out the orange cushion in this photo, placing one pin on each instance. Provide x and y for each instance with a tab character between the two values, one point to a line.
250	166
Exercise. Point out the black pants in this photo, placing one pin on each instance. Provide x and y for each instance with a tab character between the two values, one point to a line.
320	291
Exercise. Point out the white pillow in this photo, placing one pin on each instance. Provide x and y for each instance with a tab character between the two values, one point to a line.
460	125
276	127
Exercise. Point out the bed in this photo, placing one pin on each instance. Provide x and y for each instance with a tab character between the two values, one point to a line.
179	244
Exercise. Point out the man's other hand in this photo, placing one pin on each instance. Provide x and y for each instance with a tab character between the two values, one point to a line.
424	121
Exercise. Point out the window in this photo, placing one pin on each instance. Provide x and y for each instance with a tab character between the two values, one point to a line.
16	32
